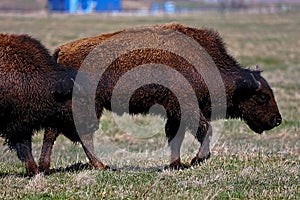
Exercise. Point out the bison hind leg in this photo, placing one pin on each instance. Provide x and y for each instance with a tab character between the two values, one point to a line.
204	134
175	134
24	153
88	147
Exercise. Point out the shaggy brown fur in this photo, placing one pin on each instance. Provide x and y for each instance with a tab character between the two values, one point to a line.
249	96
35	93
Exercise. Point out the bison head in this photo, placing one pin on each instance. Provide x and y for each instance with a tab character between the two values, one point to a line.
255	103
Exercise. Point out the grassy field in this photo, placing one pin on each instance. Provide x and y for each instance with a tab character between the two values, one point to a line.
243	165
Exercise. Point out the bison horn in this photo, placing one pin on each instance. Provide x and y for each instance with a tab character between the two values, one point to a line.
256	82
75	84
257	68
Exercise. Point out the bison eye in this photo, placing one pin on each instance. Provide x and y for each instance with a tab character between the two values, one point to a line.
262	98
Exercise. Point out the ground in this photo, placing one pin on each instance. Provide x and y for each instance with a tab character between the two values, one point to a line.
243	165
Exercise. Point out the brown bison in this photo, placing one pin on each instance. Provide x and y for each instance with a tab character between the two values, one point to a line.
248	95
35	93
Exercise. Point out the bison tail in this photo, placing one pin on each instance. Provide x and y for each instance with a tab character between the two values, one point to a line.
55	54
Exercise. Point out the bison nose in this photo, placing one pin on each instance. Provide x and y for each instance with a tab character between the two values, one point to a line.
275	121
278	120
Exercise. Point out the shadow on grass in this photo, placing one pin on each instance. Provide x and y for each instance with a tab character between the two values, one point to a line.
81	167
72	168
11	174
77	167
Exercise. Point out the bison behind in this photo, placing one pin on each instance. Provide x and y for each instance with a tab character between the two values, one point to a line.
35	93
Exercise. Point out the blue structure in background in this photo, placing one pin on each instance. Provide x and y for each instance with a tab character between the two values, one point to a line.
84	6
108	6
167	7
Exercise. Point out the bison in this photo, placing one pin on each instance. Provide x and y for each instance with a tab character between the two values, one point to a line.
35	93
248	95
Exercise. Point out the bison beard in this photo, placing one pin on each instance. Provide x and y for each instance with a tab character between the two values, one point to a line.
245	89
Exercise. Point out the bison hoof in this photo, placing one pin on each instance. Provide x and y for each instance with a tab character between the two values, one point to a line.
198	160
32	172
31	169
45	171
176	165
101	166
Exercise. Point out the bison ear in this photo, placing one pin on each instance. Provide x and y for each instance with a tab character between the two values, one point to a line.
63	90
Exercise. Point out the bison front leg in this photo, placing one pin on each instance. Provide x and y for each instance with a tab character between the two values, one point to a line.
48	142
87	143
88	146
204	134
24	153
